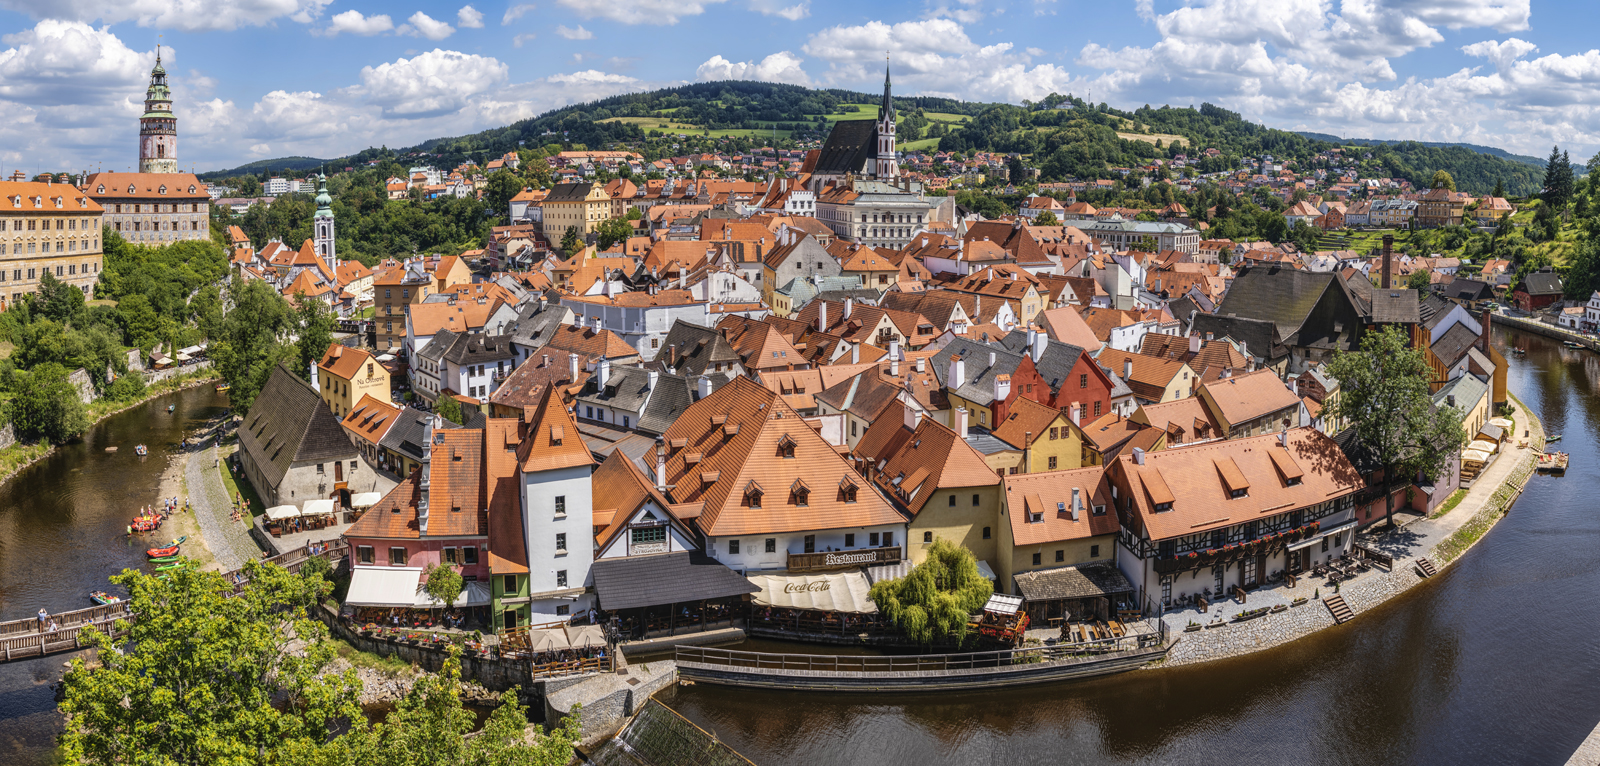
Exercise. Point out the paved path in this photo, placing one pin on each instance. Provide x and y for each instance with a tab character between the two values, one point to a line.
228	540
1588	753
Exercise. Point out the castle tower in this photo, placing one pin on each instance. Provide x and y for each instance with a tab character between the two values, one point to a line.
322	225
158	129
887	166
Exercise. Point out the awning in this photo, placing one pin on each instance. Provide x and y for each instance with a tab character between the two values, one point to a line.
585	636
383	586
386	358
182	357
322	507
474	594
1086	581
365	499
281	512
664	578
1000	603
548	640
830	592
1324	533
1501	423
985	570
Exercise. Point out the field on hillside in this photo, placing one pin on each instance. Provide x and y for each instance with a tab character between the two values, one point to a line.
673	126
1166	139
923	144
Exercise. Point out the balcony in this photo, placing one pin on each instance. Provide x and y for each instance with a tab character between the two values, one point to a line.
817	562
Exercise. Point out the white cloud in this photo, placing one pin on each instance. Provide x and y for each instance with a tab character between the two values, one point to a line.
60	63
591	77
575	34
653	12
794	12
1035	52
469	18
1501	54
933	57
516	12
422	25
431	83
782	66
354	23
964	11
516	42
183	15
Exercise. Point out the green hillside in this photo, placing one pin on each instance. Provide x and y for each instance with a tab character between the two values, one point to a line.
278	165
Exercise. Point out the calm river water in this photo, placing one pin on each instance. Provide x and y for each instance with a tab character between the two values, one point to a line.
1495	662
61	534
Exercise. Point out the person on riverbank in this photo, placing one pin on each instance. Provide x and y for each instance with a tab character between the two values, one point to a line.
43	617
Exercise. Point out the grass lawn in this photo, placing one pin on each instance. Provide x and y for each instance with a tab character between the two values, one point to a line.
868	112
101	302
674	126
6	347
236	483
947	117
1450	504
920	144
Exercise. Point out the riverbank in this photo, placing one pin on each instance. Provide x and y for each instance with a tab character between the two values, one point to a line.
1442	539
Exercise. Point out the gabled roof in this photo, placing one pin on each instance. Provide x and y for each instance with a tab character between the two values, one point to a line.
1054	365
979	373
1282	296
1026	422
405	436
552	441
289	423
917	463
850	144
1185	420
691	349
1260	337
620	487
1540	283
1242	398
371	419
1454	344
1048	497
343	361
526	384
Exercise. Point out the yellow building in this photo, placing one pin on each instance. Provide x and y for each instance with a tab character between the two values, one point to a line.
346	374
47	228
1055	520
1046	439
580	206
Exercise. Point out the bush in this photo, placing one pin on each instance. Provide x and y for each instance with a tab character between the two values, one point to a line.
126	388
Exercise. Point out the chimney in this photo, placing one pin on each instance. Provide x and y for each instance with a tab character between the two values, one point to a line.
1076	412
314	383
605	372
1485	334
703	386
958	373
661	464
961	422
922	364
654	377
1127	368
855	352
572	367
546	361
912	417
848	304
1033	340
822	316
1002	387
1194	342
1077	503
1138	456
1283	436
894	358
991	359
1388	254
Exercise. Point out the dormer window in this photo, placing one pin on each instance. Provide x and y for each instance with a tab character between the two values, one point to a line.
752	495
101	189
132	188
191	190
557	433
1235	494
847	490
786	447
1163	507
162	190
799	493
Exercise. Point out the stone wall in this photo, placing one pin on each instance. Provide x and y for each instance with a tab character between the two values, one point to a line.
8	436
81	381
609	699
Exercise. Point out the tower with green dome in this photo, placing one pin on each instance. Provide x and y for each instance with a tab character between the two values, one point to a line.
322	225
158	128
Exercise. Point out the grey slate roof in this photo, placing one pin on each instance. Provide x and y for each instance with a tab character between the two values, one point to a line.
1282	296
1454	344
664	578
673	395
1394	306
289	423
405	436
1054	365
978	387
573	192
1541	283
536	322
1468	290
691	349
477	348
1086	581
1260	337
850	144
627	389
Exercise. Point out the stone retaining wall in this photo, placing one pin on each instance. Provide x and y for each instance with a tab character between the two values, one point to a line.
609	699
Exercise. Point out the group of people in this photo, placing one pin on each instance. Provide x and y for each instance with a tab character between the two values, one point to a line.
239	506
47	623
157	513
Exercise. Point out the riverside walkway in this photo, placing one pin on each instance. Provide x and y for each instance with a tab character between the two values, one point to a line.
27	638
228	540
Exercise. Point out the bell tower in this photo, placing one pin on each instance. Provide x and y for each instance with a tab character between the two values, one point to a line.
887	165
322	225
158	128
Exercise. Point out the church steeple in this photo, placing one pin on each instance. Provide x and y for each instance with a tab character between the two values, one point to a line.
322	226
886	111
886	165
158	128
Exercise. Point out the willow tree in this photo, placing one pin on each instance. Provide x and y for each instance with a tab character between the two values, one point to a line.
934	601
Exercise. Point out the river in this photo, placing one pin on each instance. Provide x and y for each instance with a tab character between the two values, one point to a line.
1493	662
62	523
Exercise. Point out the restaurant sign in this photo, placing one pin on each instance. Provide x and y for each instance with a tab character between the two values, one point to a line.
803	562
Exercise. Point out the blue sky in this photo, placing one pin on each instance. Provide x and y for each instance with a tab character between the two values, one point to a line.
266	78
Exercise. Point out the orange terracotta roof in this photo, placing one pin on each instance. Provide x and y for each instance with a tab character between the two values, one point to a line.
1242	398
620	487
553	441
923	461
344	362
461	316
370	419
1027	417
1047	497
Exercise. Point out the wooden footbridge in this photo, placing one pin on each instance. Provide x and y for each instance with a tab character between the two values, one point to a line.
26	639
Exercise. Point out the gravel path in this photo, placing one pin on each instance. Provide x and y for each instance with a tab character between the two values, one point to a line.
228	540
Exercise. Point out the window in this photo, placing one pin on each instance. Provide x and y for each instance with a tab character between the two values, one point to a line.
1054	433
1083	380
811	543
561	543
772	545
1324	545
563	610
952	501
986	533
1052	462
872	539
319	469
364	554
561	506
1036	559
733	547
397	556
449	555
849	540
1235	494
1094	552
561	578
975	499
509	585
1013	470
469	556
927	537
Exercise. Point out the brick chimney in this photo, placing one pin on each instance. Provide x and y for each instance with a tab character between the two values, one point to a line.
1388	256
1484	339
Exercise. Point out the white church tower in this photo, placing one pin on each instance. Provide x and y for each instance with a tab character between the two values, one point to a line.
887	166
322	225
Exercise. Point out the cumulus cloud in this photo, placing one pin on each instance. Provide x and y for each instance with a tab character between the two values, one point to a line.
354	23
933	57
422	25
183	15
469	18
575	34
516	12
590	77
654	12
431	83
61	63
782	66
794	12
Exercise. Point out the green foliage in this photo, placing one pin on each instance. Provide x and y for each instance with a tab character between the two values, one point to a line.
165	276
251	340
448	408
1558	180
1419	281
570	242
934	601
58	300
46	405
127	388
502	186
611	231
1442	180
444	584
314	322
1384	395
1046	218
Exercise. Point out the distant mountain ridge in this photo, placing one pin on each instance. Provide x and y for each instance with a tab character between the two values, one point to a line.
273	165
1538	162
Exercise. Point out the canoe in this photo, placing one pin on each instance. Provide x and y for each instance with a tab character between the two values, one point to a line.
141	451
163	560
165	567
101	597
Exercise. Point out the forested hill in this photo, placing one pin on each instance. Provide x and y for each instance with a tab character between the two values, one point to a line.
1479	148
1065	136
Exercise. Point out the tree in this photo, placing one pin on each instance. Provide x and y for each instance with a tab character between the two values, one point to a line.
1046	218
199	677
571	243
502	186
1384	396
448	408
1442	180
634	214
126	388
1500	185
1419	281
1557	180
58	300
611	231
314	321
444	584
251	343
934	601
1144	245
46	405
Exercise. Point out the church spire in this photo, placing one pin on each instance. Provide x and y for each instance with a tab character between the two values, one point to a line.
886	112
